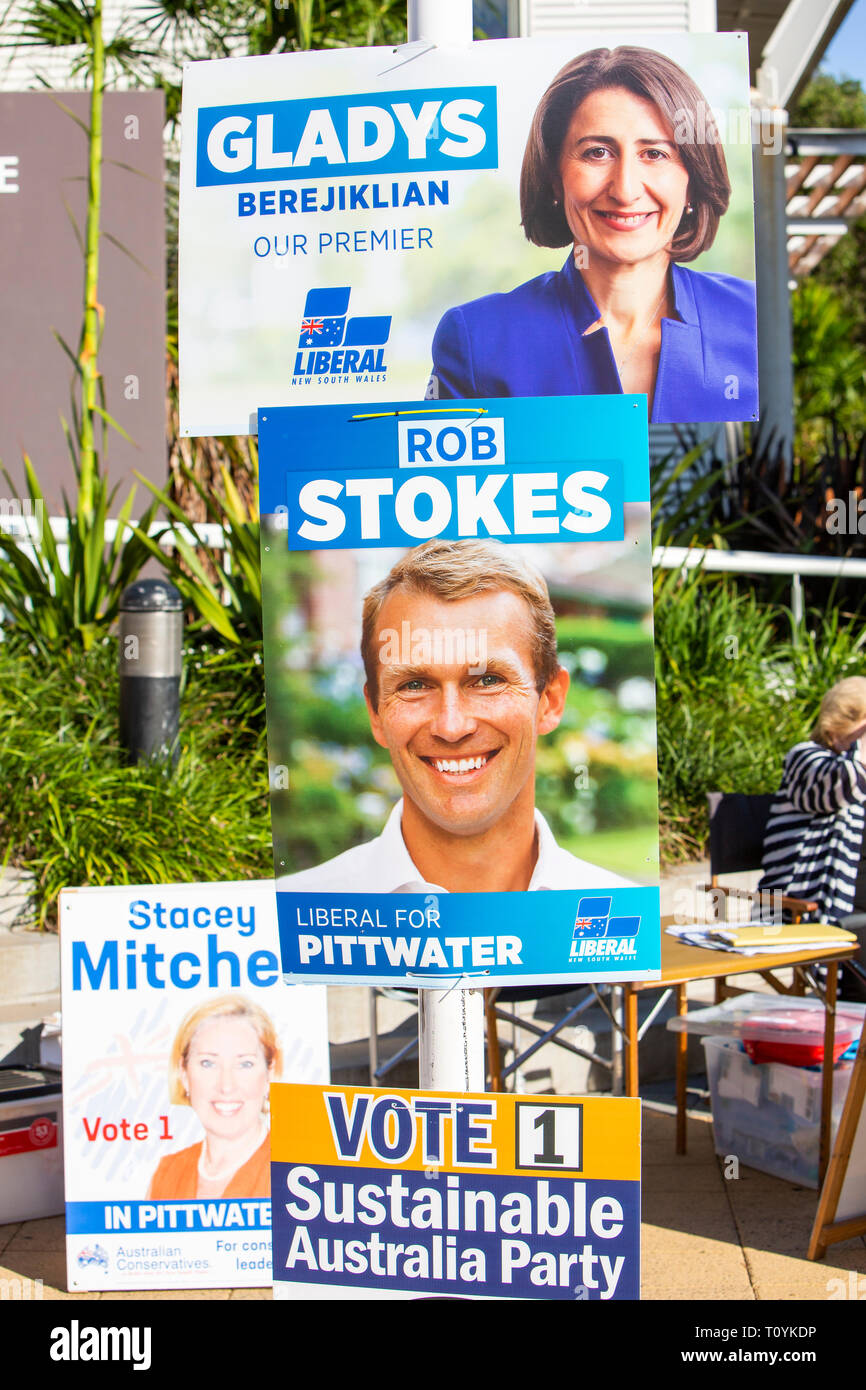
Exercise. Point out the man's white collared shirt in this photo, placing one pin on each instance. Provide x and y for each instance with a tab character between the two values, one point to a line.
384	865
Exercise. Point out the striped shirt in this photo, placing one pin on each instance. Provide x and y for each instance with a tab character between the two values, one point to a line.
814	835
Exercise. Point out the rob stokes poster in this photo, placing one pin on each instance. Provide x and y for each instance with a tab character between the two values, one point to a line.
459	679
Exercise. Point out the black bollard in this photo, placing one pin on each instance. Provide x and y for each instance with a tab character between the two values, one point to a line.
151	640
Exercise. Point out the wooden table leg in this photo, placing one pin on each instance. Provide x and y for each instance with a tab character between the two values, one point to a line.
631	1040
827	1069
682	1071
494	1057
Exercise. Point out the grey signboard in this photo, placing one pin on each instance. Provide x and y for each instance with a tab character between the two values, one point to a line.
43	188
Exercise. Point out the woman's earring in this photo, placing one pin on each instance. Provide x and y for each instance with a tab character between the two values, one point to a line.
689	209
556	202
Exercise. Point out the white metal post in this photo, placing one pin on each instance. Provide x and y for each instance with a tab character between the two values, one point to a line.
440	21
776	427
450	1022
451	1039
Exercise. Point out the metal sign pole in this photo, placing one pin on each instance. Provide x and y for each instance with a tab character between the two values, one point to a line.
451	1039
440	21
450	1022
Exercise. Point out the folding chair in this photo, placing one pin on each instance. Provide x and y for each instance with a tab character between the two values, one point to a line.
494	1013
737	826
379	1069
738	823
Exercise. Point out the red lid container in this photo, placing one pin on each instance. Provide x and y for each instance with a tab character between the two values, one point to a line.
783	1035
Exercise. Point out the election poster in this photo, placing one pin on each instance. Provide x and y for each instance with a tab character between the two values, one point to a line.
175	1022
420	1194
459	681
525	217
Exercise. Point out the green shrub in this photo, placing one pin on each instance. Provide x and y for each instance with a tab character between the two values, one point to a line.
623	645
74	814
735	691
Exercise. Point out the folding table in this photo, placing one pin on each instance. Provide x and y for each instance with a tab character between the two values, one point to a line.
682	963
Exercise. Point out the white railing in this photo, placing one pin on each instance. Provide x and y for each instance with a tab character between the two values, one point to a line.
674	557
29	528
670	557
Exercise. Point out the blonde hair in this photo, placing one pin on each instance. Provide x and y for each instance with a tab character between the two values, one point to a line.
226	1006
453	570
842	709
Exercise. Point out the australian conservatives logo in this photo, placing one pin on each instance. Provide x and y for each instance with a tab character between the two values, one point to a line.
93	1255
332	347
598	934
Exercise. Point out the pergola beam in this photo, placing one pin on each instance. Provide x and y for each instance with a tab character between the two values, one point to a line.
826	144
796	46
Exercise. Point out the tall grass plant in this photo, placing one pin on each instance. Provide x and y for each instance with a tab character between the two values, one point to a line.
738	684
73	813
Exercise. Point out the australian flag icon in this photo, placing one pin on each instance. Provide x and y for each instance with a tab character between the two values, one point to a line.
592	918
324	321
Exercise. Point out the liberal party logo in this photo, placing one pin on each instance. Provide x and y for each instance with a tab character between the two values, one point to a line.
596	933
332	345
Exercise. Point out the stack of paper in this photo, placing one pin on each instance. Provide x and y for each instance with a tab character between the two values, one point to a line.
762	938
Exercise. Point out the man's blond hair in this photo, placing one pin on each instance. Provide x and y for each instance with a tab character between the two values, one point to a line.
843	708
454	570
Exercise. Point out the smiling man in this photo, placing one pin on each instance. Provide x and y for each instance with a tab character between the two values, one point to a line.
459	649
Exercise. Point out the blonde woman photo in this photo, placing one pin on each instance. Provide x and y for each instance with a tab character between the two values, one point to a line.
223	1059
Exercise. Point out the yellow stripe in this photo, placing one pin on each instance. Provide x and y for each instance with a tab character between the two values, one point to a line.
301	1133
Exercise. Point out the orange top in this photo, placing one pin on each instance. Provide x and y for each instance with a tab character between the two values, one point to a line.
176	1175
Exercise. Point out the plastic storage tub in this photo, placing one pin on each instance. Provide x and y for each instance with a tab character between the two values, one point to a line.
769	1115
31	1143
781	1021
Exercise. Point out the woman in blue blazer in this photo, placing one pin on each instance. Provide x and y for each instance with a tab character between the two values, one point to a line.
624	163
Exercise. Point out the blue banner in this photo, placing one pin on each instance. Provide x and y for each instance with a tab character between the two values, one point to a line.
569	433
420	131
350	511
149	1218
499	1235
554	936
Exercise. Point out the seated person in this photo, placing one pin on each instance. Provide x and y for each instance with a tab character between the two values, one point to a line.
813	844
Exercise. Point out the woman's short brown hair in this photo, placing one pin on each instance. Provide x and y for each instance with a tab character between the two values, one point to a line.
678	99
843	709
224	1006
459	569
